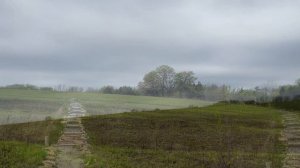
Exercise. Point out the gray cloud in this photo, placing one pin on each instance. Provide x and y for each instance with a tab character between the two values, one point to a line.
242	43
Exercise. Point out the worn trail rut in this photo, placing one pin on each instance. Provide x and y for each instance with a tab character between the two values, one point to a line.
72	144
292	137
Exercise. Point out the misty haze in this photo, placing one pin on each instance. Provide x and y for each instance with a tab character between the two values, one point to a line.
149	84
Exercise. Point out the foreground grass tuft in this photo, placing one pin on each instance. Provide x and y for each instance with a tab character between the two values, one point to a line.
21	145
20	155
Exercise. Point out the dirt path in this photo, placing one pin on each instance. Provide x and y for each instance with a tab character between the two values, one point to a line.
72	145
292	137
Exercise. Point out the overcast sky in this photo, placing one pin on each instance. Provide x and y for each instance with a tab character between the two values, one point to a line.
100	42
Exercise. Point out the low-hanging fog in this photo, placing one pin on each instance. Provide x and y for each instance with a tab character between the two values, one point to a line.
100	42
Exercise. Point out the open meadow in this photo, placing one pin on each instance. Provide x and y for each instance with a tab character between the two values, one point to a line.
152	131
17	105
150	84
221	135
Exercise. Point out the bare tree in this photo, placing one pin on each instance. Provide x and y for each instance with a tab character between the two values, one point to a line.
159	82
166	75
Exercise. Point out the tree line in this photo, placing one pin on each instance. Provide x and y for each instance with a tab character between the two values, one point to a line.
164	81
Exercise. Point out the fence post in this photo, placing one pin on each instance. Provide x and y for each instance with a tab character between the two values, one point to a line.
46	140
268	164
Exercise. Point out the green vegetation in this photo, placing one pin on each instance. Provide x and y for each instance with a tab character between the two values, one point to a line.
33	132
19	105
293	104
289	97
20	155
222	135
21	145
107	103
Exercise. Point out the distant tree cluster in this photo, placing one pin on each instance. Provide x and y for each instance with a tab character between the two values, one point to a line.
123	90
28	87
289	97
165	81
259	94
290	92
20	86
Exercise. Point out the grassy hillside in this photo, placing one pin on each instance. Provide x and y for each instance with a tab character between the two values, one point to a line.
17	105
33	132
221	135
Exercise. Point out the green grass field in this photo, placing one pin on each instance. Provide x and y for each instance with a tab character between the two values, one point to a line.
217	136
20	155
18	105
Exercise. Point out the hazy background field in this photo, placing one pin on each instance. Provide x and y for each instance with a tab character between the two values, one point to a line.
32	105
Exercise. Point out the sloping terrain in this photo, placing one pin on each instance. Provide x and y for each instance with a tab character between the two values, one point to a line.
221	135
17	105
